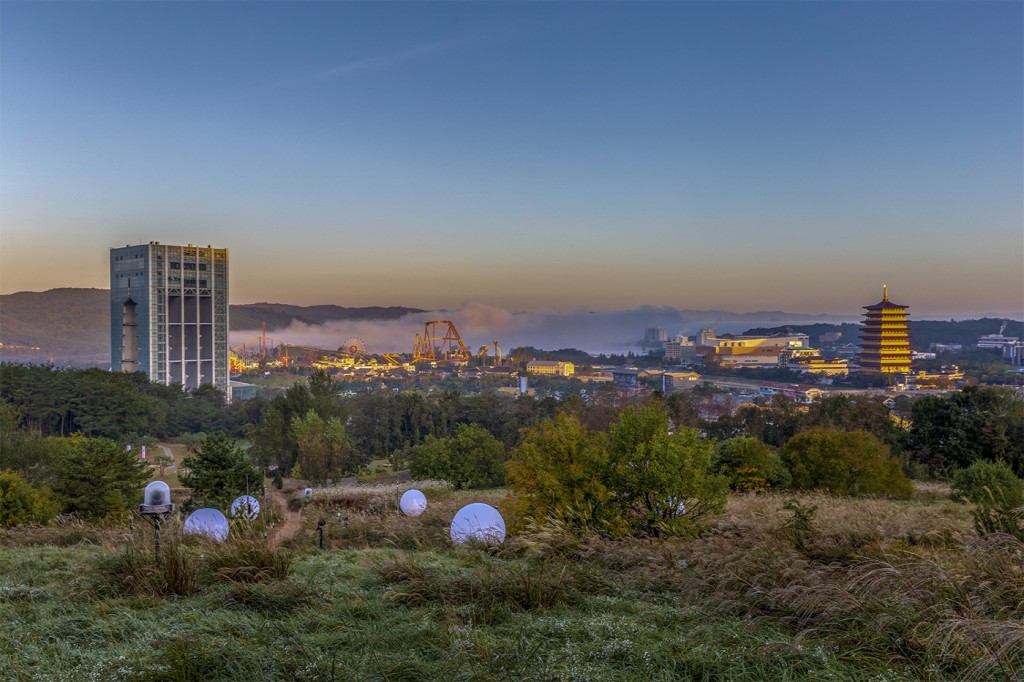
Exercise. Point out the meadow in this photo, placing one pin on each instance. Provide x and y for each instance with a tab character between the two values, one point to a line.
780	587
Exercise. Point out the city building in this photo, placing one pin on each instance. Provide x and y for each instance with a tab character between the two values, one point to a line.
948	376
811	361
1009	345
169	313
804	394
627	377
885	338
680	350
654	337
745	351
551	367
679	381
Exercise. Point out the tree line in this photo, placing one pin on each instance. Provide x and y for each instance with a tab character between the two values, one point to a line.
314	432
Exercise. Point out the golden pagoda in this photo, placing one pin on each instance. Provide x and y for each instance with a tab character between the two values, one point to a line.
885	338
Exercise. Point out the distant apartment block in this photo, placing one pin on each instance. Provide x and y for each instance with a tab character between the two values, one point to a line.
654	337
550	367
680	350
169	313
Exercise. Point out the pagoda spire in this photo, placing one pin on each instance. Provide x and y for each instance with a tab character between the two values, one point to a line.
885	292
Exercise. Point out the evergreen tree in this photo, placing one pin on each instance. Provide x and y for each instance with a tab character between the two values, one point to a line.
97	478
219	472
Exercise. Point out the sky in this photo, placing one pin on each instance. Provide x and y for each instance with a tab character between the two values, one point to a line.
541	156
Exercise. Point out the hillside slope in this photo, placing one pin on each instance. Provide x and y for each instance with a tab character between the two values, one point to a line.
71	326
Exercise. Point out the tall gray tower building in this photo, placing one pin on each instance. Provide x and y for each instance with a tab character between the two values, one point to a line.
169	313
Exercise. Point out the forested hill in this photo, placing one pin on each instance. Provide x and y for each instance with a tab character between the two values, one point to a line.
59	325
923	333
280	315
72	326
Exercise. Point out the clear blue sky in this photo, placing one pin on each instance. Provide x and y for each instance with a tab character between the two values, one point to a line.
785	155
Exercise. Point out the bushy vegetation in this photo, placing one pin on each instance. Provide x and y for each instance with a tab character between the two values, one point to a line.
21	503
623	562
470	458
977	423
97	478
638	480
750	465
984	481
844	463
187	565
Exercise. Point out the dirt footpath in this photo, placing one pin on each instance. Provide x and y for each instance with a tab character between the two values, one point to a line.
290	526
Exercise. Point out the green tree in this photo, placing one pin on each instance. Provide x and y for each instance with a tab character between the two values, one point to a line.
429	459
967	425
219	472
683	410
844	463
477	458
470	458
161	461
750	465
20	503
637	480
558	471
661	481
857	413
325	450
97	478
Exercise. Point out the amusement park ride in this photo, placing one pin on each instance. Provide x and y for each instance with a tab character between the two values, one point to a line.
440	344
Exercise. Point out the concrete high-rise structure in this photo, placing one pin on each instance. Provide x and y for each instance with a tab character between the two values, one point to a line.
885	338
169	313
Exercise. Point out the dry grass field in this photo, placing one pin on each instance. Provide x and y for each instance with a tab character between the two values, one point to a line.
779	588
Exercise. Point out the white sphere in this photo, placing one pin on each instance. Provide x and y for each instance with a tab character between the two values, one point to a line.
246	506
208	522
413	503
478	521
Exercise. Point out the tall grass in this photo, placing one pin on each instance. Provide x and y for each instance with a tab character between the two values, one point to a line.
187	564
869	590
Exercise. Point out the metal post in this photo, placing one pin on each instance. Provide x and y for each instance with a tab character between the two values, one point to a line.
320	527
156	538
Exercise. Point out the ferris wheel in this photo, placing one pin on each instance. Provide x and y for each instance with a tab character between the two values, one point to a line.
353	346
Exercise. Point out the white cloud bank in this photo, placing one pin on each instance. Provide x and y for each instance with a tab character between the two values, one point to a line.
478	324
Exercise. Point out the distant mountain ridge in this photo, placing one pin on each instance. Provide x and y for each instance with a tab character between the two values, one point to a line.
72	325
281	315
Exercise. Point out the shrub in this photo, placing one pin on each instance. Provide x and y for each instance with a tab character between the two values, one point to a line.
641	481
661	481
844	463
557	472
983	480
20	503
750	465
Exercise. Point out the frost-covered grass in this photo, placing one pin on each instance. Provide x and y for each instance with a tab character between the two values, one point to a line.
868	590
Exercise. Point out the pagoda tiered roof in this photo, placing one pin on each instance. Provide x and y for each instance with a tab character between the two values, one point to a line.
885	337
